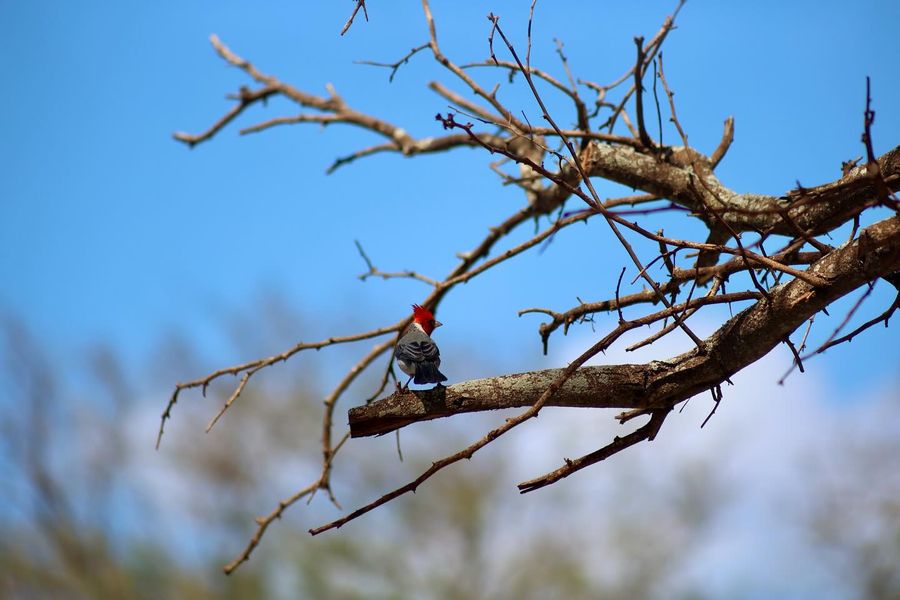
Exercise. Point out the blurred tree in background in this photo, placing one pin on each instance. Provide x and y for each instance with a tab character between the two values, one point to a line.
93	512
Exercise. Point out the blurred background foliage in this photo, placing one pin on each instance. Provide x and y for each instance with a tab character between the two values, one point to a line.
92	511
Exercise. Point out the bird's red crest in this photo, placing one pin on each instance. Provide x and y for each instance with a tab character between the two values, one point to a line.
421	315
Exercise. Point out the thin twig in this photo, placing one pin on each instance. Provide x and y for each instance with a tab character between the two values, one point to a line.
255	365
359	4
882	318
646	432
237	392
262	523
375	272
394	66
245	99
829	342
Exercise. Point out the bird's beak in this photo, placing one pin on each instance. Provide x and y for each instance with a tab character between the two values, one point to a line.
437	324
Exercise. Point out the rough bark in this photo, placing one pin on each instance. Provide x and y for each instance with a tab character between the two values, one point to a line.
815	210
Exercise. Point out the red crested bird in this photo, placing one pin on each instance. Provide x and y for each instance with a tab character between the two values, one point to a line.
416	353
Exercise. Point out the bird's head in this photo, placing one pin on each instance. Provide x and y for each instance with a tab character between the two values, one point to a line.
425	319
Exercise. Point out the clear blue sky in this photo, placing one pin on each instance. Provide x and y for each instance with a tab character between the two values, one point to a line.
110	230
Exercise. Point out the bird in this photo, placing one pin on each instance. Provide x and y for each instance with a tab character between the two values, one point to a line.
416	353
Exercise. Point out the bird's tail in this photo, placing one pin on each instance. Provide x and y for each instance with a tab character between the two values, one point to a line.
427	372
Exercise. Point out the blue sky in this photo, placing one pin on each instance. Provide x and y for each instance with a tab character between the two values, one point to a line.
112	231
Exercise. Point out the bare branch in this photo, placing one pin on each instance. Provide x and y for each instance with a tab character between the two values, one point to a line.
255	365
245	99
747	337
586	388
678	277
262	523
375	272
394	66
346	160
727	138
646	432
882	318
508	117
237	392
744	339
815	210
334	105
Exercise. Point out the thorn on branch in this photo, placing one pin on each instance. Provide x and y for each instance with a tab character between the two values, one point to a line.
798	361
666	255
716	392
868	119
618	301
639	92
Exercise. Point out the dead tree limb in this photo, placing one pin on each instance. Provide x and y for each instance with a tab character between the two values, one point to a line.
741	341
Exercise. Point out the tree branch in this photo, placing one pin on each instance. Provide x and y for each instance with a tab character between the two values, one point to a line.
747	337
581	390
815	210
647	432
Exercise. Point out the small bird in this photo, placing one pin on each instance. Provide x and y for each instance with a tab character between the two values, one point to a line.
416	353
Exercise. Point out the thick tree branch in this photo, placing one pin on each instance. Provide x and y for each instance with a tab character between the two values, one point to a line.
814	210
494	393
747	337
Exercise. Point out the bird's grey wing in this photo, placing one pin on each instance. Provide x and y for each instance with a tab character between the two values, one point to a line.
418	351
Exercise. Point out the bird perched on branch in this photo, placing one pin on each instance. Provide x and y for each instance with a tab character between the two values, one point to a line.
416	353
